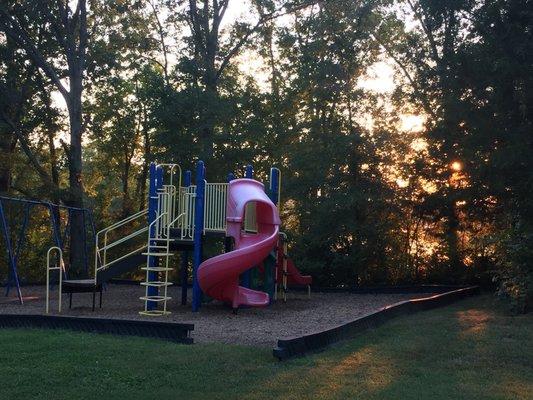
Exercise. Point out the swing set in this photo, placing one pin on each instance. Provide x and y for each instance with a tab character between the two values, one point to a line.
14	226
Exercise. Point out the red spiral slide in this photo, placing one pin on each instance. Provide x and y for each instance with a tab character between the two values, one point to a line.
219	276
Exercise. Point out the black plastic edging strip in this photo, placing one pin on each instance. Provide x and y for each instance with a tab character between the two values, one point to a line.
175	332
315	341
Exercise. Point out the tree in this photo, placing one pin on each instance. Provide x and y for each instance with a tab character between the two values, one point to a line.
212	54
68	24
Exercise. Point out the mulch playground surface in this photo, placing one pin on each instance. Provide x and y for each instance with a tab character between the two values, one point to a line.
215	322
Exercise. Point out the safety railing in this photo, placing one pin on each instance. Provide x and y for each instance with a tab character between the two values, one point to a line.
101	261
166	207
61	268
171	188
216	195
186	207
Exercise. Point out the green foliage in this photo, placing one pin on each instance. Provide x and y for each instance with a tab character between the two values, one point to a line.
166	81
514	273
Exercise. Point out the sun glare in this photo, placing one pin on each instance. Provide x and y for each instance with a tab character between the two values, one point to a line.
412	123
456	166
402	183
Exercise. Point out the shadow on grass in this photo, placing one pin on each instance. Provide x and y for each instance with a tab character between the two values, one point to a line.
465	351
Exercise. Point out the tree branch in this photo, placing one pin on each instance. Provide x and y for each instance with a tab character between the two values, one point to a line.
427	31
414	85
13	29
43	174
162	39
262	20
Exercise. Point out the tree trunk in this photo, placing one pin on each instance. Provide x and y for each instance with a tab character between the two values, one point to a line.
7	149
141	183
126	201
453	250
211	105
77	225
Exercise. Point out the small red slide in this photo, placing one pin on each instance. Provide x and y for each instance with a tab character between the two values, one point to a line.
219	276
294	276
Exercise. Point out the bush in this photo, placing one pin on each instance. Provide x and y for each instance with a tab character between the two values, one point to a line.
514	275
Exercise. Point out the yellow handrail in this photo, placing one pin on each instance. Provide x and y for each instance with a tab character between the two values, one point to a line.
172	167
101	252
187	195
61	269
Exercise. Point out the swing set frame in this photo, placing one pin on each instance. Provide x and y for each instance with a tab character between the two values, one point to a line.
14	247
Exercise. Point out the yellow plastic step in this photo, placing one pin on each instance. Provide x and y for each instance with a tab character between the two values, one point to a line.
156	284
154	313
155	298
157	269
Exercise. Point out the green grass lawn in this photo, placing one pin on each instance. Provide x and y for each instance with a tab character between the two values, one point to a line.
470	350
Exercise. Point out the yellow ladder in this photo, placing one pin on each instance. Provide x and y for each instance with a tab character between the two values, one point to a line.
159	246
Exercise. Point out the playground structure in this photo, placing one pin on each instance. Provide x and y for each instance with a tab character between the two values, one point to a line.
219	276
180	215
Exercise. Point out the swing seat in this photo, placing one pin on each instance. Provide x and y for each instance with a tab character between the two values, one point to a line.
71	286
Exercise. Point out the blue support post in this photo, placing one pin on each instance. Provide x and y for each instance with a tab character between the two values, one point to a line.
20	244
56	227
228	240
274	196
55	223
152	261
66	235
246	277
85	251
184	276
198	234
274	185
9	250
249	172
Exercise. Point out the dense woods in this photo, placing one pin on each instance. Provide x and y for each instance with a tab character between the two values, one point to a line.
403	129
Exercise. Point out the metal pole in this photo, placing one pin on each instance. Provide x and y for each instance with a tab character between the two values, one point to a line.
249	172
20	242
274	185
228	240
274	188
9	249
152	215
184	273
246	277
198	233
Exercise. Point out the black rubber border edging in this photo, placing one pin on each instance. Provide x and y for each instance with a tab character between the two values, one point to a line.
174	332
298	346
